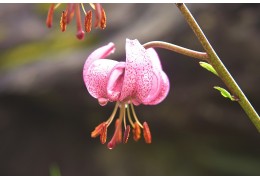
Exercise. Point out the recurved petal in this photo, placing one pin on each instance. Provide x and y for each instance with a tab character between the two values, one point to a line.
163	90
160	82
156	63
99	53
96	77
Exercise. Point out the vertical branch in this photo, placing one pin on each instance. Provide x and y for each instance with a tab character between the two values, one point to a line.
220	67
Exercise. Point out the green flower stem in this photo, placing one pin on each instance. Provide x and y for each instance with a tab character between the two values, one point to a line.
220	67
178	49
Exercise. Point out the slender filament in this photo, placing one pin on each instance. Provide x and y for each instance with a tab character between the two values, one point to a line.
110	119
82	6
57	5
125	119
135	117
129	116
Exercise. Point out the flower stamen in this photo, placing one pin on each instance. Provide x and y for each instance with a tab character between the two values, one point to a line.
110	119
129	116
147	133
135	117
88	21
136	131
98	130
63	20
57	5
103	19
82	7
103	135
100	16
125	119
68	14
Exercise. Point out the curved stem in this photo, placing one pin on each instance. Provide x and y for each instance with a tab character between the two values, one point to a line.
178	49
220	67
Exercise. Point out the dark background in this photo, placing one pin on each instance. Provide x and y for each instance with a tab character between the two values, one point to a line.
47	115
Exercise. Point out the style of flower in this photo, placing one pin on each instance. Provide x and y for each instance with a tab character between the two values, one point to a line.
139	80
68	14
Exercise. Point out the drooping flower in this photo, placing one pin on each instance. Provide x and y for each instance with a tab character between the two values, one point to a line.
74	8
138	80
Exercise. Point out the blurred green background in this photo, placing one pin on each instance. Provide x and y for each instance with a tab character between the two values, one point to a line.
47	115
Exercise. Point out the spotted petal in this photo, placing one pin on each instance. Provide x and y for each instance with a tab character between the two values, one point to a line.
99	53
160	81
138	73
139	79
144	82
96	71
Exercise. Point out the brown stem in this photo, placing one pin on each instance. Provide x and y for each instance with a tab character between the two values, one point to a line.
220	67
177	49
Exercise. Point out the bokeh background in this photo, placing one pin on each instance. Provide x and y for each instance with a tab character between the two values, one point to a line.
47	115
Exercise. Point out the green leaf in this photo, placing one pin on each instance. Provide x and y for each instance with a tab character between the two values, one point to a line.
225	93
208	67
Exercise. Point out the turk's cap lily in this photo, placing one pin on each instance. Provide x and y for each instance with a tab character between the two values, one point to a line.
140	79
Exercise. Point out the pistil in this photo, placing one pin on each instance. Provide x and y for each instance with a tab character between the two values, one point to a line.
80	32
117	137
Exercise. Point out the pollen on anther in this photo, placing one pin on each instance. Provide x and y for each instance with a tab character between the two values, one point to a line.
136	131
103	135
147	133
88	21
63	21
98	130
103	19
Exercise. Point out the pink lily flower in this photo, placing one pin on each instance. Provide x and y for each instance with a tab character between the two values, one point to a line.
139	80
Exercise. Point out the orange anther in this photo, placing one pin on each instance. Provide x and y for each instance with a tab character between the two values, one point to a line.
136	131
97	131
103	135
103	22
100	16
88	21
63	21
147	133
